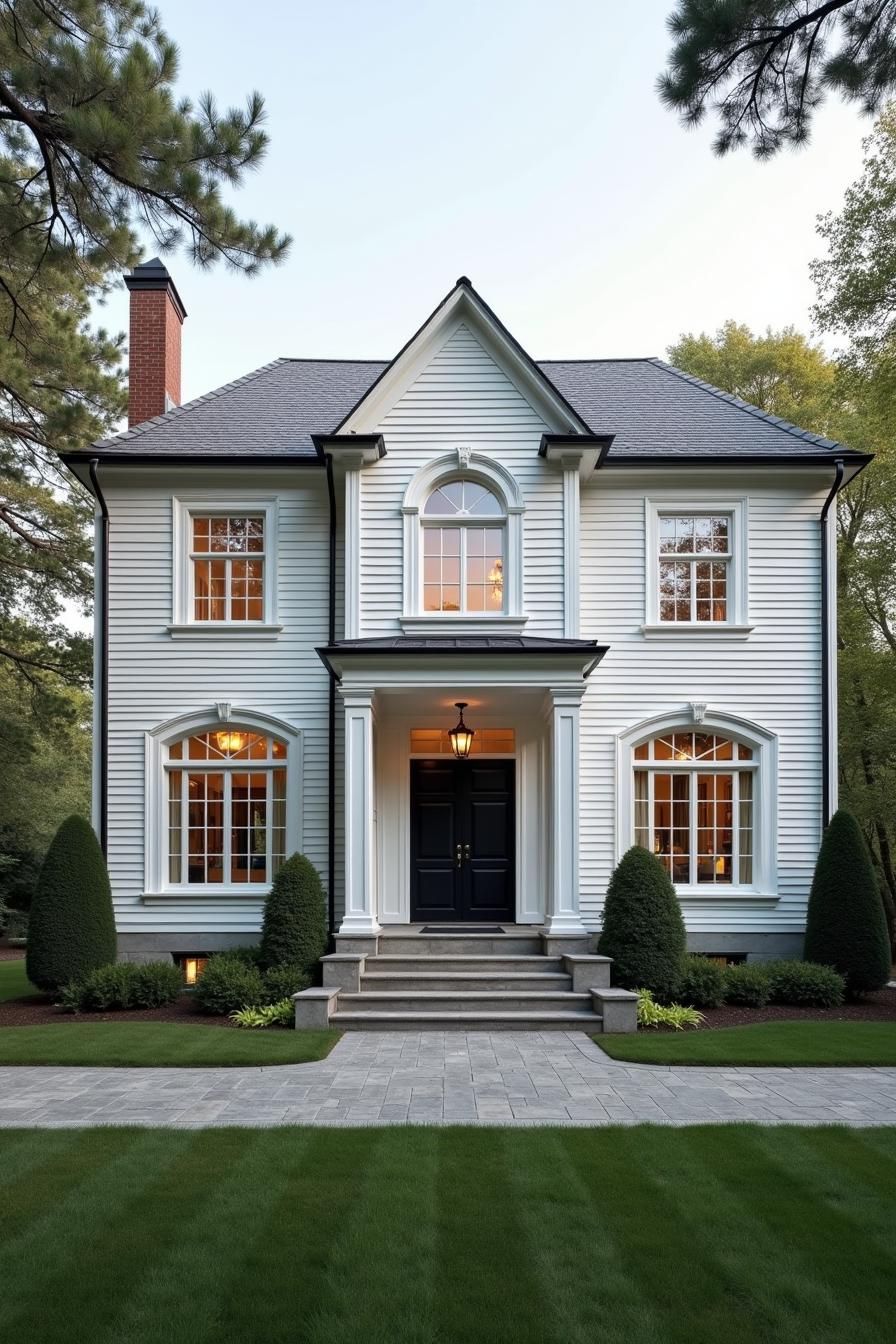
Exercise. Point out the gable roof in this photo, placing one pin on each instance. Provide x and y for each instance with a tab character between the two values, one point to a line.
651	410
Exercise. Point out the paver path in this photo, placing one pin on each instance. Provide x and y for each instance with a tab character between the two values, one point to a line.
502	1078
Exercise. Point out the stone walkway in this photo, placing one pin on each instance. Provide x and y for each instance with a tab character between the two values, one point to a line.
499	1078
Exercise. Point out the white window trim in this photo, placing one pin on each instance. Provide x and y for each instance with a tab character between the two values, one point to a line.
155	876
764	887
183	624
463	462
737	626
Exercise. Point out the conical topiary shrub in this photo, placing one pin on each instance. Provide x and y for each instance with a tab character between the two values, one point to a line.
294	931
71	928
643	929
845	926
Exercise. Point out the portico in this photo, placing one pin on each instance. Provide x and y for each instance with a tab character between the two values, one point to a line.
502	828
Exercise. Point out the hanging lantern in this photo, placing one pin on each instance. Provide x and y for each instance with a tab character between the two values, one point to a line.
230	741
461	736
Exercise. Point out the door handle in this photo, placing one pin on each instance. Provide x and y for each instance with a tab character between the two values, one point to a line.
467	853
457	856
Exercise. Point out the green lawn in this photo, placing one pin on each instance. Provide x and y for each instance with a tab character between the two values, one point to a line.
158	1044
448	1236
771	1043
14	984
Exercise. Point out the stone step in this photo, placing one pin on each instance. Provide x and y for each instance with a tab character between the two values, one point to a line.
460	1001
538	1020
438	981
459	944
441	964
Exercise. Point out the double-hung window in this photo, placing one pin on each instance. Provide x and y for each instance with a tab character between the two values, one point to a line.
228	567
696	566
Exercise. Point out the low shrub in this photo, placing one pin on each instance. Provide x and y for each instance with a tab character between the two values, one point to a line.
805	983
280	1014
249	954
748	985
122	986
281	982
702	982
676	1015
226	984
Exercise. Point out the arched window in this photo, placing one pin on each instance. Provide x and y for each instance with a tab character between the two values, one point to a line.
464	548
695	799
226	807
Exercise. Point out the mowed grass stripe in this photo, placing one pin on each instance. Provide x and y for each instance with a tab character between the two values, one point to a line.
225	1217
483	1270
279	1279
21	1157
77	1261
671	1243
381	1275
583	1271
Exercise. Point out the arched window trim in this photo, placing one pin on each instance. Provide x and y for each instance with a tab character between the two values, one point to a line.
156	743
764	886
463	463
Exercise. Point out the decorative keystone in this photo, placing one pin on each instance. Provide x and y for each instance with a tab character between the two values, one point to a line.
314	1008
588	972
343	971
617	1007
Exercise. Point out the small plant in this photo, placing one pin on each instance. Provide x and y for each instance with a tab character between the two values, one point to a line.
702	982
846	926
294	930
122	986
643	929
805	983
226	984
281	982
280	1014
748	985
675	1015
71	928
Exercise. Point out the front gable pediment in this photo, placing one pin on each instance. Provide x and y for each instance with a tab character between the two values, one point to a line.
462	322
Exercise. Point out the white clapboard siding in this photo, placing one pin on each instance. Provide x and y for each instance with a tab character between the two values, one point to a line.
772	678
461	397
153	678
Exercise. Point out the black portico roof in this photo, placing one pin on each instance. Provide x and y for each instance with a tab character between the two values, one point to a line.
463	645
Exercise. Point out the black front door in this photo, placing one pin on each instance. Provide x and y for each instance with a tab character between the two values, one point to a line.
462	840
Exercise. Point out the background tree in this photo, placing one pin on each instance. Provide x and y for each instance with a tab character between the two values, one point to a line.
763	66
96	154
785	374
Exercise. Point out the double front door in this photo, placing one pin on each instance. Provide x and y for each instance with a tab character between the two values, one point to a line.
462	840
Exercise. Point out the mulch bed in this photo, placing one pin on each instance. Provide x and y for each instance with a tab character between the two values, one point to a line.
36	1012
879	1007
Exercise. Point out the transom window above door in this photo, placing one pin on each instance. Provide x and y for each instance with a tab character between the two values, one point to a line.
464	534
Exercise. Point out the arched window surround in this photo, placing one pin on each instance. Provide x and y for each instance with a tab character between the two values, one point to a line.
468	465
156	743
693	717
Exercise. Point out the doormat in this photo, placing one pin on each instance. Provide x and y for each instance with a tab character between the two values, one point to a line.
462	928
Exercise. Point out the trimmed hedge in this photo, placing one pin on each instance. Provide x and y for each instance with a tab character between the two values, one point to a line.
281	982
122	986
805	983
702	982
749	985
71	927
226	984
845	926
643	929
294	931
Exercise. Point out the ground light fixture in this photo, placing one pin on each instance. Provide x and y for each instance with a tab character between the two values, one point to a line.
461	736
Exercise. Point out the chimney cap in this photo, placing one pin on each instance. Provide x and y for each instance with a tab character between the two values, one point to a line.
153	274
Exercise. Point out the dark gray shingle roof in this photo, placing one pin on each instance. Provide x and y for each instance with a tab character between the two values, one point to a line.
651	408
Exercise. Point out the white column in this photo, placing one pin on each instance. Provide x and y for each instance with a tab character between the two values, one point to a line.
571	545
360	816
562	906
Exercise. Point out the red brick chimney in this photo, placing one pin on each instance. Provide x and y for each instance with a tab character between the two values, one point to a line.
157	316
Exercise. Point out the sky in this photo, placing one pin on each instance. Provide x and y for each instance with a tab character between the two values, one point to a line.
519	143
